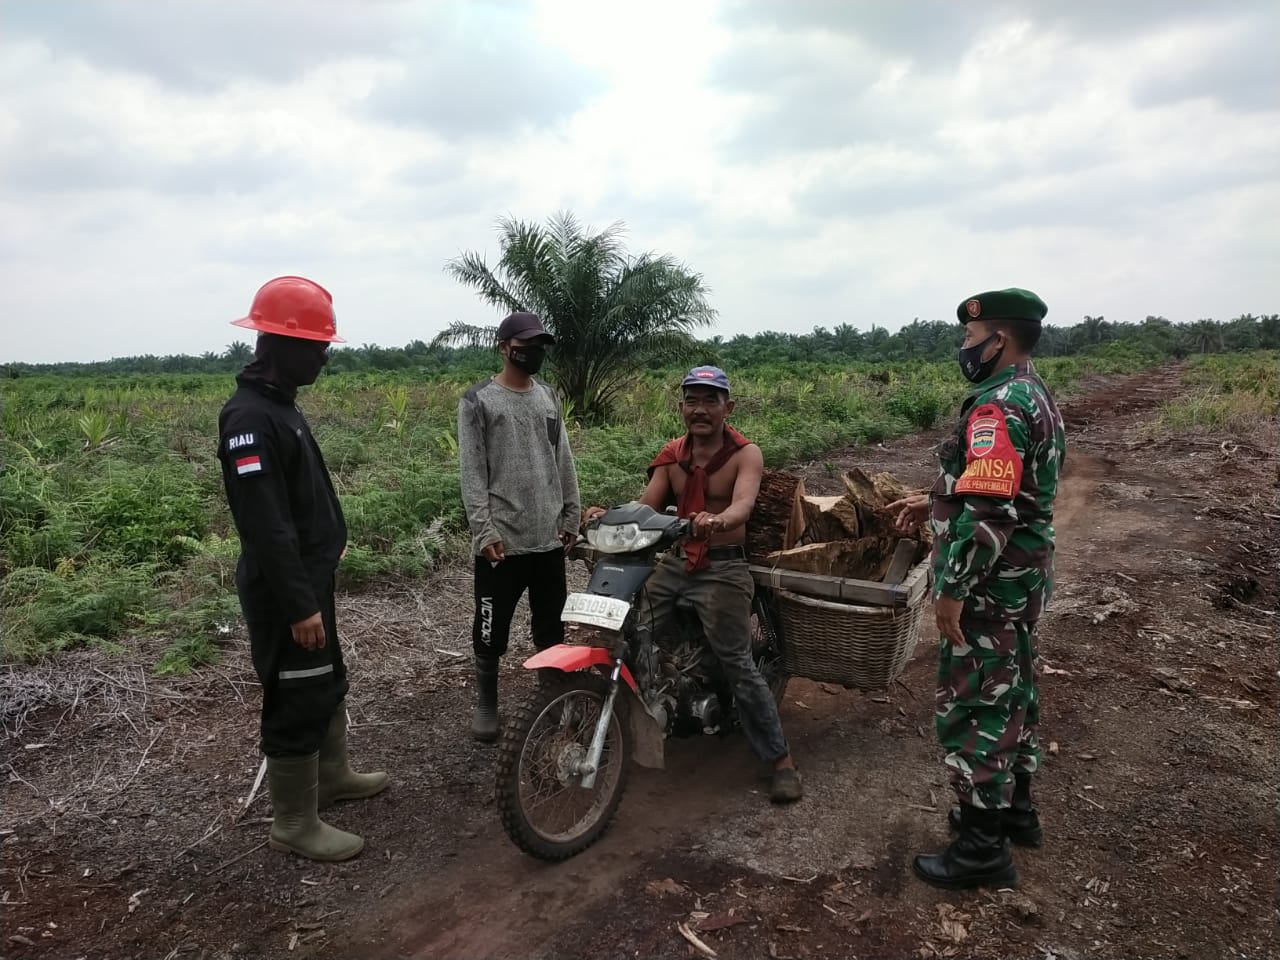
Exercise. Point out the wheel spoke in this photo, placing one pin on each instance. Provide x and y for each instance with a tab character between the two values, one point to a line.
555	805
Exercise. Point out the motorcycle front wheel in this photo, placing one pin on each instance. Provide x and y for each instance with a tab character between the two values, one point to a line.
544	807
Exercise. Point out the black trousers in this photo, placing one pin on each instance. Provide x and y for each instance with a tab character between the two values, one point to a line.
301	689
498	589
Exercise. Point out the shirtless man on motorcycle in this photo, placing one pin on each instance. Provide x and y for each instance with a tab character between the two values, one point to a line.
712	474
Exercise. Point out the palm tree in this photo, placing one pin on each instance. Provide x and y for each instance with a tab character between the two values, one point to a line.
1094	329
238	352
1205	336
611	313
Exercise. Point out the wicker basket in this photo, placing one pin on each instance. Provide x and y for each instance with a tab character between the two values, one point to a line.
856	646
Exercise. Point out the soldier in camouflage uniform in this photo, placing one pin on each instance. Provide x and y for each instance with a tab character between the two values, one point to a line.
991	513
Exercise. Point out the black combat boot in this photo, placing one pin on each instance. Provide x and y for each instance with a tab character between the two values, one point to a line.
484	725
977	858
1021	820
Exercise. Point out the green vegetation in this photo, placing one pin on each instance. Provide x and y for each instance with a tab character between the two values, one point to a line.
1155	338
611	313
1230	395
113	523
112	518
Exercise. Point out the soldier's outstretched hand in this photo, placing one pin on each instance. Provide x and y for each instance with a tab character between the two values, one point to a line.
909	512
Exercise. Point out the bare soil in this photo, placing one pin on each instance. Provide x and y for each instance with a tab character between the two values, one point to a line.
124	834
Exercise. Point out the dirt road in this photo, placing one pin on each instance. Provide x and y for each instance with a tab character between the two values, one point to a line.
1159	794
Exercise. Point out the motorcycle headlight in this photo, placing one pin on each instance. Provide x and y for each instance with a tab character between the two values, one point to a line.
621	537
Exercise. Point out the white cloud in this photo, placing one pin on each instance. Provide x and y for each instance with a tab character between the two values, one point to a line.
817	162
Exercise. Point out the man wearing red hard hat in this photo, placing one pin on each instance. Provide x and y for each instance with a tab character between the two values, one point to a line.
292	535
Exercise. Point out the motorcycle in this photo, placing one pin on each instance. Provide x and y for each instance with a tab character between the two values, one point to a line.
614	692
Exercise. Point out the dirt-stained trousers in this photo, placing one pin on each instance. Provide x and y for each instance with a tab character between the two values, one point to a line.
721	594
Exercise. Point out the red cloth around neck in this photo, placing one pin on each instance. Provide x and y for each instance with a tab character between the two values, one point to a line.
694	498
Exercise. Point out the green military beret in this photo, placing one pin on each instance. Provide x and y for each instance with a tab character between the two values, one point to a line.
1012	304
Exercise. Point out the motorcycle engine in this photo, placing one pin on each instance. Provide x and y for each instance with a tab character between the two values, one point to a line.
683	688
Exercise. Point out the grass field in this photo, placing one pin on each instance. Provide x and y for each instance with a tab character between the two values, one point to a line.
113	523
1229	393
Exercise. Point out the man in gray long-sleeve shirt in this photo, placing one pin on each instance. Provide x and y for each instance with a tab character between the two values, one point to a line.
520	490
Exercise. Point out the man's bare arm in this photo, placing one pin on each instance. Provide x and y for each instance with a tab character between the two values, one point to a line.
745	488
658	493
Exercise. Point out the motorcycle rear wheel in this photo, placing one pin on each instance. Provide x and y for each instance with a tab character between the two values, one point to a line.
766	644
543	807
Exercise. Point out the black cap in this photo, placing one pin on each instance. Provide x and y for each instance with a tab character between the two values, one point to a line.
523	326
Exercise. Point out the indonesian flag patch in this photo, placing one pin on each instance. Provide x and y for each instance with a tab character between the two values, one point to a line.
249	464
994	468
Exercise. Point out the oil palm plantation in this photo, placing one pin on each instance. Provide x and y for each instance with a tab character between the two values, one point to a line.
611	313
238	353
1205	336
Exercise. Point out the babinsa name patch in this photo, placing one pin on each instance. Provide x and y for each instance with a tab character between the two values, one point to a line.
994	468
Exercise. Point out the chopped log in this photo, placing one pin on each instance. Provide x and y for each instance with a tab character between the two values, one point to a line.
814	506
821	525
877	554
867	558
875	522
876	490
888	487
843	589
810	558
850	518
862	489
777	519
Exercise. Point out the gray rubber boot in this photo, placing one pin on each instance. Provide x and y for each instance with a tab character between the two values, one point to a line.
484	725
295	827
337	780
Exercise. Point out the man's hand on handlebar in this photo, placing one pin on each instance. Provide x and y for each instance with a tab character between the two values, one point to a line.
705	524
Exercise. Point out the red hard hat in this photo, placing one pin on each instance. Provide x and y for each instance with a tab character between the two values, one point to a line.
293	307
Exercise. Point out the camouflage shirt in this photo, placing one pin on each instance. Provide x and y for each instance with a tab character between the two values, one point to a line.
991	508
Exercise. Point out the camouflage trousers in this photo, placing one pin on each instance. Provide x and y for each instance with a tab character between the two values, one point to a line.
988	709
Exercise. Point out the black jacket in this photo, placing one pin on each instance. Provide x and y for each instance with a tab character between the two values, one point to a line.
292	532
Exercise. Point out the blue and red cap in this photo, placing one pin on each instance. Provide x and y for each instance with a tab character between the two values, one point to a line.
706	377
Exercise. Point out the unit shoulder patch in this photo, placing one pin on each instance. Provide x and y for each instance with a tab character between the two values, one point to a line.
243	453
993	467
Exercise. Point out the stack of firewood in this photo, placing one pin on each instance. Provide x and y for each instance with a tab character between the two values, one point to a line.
851	535
777	521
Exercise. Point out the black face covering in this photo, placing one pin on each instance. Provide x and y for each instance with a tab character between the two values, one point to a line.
974	368
528	357
287	363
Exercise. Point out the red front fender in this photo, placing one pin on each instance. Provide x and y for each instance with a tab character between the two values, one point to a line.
571	657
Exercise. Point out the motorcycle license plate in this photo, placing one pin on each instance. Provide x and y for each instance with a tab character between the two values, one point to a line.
605	612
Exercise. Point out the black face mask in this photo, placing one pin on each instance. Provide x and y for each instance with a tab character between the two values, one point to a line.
974	368
287	363
528	358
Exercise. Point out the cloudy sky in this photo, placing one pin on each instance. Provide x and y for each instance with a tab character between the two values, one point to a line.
818	162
